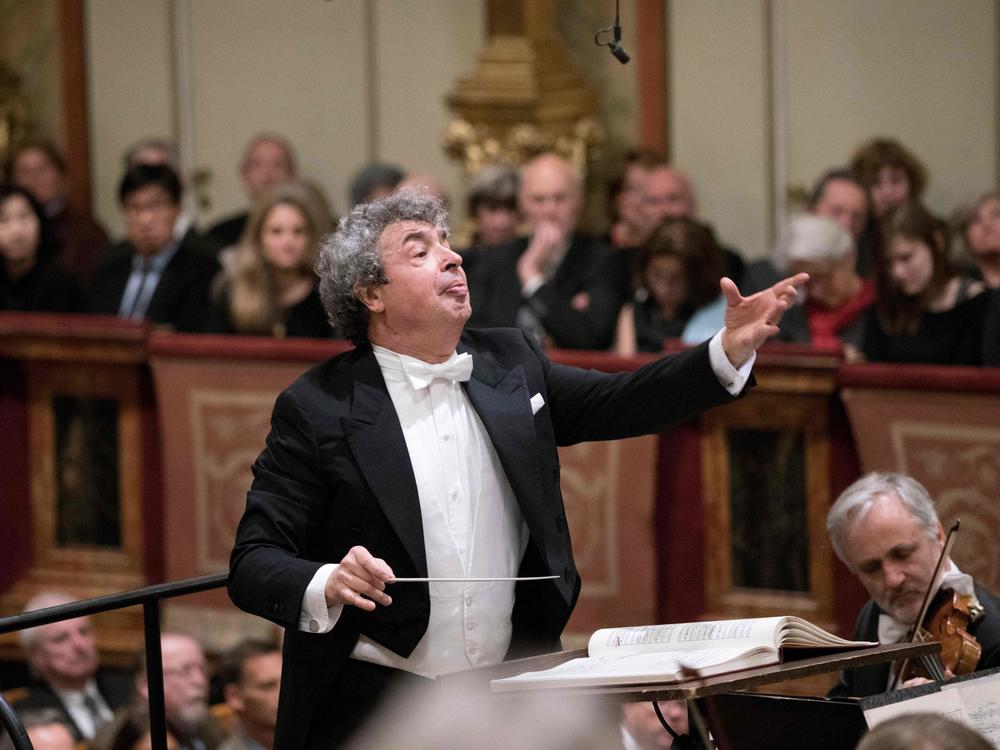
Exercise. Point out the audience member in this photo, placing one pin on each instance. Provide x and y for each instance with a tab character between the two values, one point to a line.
980	228
268	161
679	296
839	195
374	181
924	312
426	182
268	286
669	194
155	152
185	699
250	676
151	274
836	297
62	657
39	168
31	278
558	283
492	206
641	727
886	531
46	728
923	731
892	176
625	190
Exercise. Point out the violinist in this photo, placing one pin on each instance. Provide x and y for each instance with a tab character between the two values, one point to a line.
885	529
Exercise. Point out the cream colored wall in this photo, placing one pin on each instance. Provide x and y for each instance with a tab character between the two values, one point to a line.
128	86
301	68
718	131
923	71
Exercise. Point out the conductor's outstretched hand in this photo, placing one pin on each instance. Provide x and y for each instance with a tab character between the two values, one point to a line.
359	581
750	321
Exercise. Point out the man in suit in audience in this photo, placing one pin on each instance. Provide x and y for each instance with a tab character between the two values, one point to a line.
561	285
429	451
62	657
268	161
840	196
250	676
152	274
185	697
885	529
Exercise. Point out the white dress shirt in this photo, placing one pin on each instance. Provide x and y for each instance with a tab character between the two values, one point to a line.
74	700
471	521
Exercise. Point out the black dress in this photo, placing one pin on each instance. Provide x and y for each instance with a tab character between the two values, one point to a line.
952	337
305	319
47	287
651	328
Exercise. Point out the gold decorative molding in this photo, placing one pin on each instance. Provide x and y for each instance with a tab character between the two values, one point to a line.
524	97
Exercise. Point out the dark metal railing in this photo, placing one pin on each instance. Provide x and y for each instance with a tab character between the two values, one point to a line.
149	598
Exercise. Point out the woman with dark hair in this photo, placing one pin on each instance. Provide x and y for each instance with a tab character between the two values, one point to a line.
31	279
268	286
679	297
980	228
924	311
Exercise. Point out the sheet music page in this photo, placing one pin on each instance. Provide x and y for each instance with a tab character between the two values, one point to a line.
946	702
687	636
981	700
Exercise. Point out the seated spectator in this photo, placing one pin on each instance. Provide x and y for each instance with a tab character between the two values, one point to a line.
46	728
492	205
625	188
892	175
374	181
836	297
980	227
679	296
559	284
923	732
669	194
185	699
39	168
135	732
269	287
158	151
428	183
31	278
641	727
151	274
268	161
250	676
839	195
62	657
924	311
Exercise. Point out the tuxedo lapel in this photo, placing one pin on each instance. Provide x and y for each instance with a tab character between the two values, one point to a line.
376	439
503	403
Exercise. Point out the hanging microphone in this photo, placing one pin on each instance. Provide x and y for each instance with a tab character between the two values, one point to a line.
616	36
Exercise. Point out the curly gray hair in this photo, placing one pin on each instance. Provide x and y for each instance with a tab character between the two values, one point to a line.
855	502
349	259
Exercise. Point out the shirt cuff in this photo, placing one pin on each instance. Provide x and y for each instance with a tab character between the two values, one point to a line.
730	378
315	616
532	285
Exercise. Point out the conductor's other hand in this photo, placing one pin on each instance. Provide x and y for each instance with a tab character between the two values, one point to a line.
359	581
750	321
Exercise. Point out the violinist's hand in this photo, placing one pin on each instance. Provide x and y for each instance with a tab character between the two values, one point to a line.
914	681
359	580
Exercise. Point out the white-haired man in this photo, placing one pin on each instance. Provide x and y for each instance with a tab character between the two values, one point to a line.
63	660
885	529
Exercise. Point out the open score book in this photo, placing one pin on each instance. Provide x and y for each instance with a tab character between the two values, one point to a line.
650	654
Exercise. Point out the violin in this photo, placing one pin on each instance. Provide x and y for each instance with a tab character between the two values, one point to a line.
945	619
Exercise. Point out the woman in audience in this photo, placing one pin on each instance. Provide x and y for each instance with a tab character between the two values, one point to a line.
268	286
39	168
31	279
980	229
924	311
893	176
679	296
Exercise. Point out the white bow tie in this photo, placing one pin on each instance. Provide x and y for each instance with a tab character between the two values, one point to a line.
421	374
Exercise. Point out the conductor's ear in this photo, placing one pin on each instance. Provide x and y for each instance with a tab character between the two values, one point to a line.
371	297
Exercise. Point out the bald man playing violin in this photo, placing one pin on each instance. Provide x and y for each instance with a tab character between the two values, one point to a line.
885	529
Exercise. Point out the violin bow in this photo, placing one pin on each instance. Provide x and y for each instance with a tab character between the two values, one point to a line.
935	583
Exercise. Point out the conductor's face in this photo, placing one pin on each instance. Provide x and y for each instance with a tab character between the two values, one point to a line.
427	290
893	557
